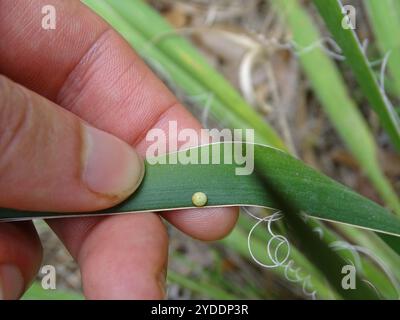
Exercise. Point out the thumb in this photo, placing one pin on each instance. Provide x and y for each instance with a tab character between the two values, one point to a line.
50	160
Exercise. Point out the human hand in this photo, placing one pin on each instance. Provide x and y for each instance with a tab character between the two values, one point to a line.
57	89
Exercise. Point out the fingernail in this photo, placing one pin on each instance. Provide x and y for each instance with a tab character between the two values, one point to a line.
111	166
11	282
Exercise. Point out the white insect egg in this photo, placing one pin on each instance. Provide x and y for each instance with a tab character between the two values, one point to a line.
199	199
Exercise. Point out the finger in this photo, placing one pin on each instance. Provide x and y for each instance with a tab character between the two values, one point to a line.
52	161
20	257
196	222
120	257
100	79
80	234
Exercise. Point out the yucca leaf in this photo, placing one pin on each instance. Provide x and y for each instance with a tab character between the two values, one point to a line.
385	20
331	91
329	262
331	11
238	239
168	186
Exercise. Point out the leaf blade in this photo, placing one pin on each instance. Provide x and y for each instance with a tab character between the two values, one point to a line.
171	186
331	11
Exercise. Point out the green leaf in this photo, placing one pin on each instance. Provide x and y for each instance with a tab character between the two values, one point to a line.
385	19
169	186
331	91
238	241
331	11
328	262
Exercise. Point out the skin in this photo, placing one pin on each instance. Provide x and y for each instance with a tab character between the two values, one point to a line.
84	71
